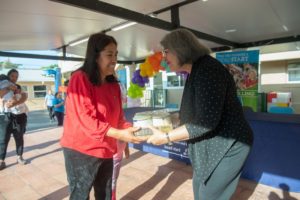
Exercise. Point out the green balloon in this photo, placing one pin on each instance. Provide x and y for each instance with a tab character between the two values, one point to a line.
165	65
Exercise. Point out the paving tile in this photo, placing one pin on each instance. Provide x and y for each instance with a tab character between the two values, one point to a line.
51	168
55	188
58	194
24	193
61	177
10	182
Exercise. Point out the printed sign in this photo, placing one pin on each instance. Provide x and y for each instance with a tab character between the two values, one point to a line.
243	66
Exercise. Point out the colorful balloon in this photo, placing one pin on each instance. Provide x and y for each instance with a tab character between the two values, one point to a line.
146	69
135	91
155	60
138	79
165	65
183	74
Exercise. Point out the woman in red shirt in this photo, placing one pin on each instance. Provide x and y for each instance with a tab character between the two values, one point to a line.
94	120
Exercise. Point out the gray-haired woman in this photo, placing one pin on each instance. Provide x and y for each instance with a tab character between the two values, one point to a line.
212	121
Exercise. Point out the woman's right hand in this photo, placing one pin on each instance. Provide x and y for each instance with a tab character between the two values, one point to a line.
158	137
127	135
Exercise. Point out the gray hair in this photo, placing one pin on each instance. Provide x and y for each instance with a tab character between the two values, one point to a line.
185	45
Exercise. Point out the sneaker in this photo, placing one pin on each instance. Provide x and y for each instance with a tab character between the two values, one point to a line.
21	161
2	165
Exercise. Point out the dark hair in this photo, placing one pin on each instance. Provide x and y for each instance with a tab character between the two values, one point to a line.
66	83
97	42
12	71
56	93
18	86
3	77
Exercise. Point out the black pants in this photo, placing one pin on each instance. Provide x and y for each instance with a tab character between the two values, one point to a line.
85	172
16	125
60	118
51	112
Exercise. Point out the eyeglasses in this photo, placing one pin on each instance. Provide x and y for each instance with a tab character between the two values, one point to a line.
165	52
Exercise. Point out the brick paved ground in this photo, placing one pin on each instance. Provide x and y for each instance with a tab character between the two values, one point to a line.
143	176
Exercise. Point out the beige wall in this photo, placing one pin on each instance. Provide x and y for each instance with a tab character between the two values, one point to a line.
273	77
273	72
35	103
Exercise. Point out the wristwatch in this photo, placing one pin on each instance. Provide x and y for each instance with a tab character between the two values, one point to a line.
168	138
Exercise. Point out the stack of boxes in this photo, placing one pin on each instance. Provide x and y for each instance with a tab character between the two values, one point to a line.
279	102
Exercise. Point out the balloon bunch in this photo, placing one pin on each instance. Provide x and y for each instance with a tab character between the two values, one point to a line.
148	69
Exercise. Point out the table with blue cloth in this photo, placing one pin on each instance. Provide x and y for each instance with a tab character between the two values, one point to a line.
274	159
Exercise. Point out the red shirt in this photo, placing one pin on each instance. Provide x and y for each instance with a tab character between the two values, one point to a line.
90	112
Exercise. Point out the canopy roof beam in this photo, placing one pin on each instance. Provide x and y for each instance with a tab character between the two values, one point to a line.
123	13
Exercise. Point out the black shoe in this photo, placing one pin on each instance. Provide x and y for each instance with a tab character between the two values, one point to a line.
2	165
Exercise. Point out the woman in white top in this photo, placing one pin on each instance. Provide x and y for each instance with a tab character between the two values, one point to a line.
17	124
11	123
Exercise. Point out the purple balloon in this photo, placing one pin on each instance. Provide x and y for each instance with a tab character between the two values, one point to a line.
183	74
138	79
146	79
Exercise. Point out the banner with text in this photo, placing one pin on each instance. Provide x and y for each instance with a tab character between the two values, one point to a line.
243	66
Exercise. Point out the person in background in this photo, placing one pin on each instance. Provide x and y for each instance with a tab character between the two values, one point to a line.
9	124
212	120
66	83
94	121
7	89
17	125
49	104
59	108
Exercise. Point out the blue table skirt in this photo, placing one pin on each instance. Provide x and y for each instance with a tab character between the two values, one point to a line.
274	159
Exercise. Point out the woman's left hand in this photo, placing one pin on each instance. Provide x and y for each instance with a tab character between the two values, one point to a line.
158	137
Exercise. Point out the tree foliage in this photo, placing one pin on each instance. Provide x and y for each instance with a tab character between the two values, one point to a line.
8	65
53	66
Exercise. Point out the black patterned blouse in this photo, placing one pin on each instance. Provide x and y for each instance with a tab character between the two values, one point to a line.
212	114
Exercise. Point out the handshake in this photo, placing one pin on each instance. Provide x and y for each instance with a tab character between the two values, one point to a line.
143	132
153	127
146	134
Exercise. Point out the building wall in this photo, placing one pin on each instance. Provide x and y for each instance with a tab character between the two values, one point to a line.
274	77
32	102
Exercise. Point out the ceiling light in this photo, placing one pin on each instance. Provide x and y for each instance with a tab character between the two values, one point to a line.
153	15
78	42
285	28
204	0
230	31
123	25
